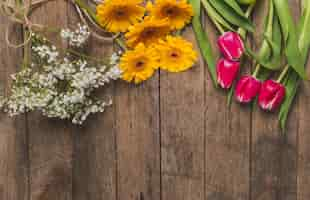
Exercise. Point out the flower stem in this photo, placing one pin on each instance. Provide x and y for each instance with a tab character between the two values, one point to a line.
85	7
256	71
76	53
209	11
218	26
241	31
249	10
283	73
26	51
121	43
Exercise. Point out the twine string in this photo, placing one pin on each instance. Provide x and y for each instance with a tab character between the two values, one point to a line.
20	14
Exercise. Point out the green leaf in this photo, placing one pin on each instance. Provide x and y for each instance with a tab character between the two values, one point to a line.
291	85
231	15
274	61
234	5
292	82
203	40
270	54
231	94
292	52
212	13
266	64
304	39
265	50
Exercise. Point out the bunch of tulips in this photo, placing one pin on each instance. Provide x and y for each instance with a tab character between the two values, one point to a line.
285	42
270	93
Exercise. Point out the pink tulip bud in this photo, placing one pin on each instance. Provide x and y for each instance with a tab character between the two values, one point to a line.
271	95
231	45
227	71
247	89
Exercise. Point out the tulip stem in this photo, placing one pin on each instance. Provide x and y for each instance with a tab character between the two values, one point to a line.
283	73
257	68
209	11
218	26
249	10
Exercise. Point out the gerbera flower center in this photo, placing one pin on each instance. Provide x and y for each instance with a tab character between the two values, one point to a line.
170	11
174	55
149	32
121	12
139	64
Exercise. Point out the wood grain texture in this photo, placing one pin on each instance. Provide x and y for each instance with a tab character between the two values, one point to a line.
227	140
50	140
94	156
303	178
289	141
182	132
170	138
138	147
14	165
274	154
303	141
265	154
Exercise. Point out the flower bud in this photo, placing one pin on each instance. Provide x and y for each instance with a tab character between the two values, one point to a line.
231	45
227	71
247	89
271	96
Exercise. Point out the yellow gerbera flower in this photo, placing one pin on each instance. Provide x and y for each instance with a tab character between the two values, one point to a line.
147	32
139	64
176	54
179	12
118	15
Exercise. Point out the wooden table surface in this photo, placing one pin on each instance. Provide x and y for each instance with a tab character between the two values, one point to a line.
170	138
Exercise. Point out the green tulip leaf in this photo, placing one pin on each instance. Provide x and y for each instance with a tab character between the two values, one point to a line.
269	64
274	62
231	15
292	81
212	13
304	39
203	40
291	85
270	54
290	37
265	50
234	5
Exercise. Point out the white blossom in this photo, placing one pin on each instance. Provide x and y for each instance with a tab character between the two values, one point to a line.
46	52
77	37
60	87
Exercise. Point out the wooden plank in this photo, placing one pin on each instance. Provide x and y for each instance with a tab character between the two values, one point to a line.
303	162
265	155
50	140
289	141
227	140
273	154
182	132
13	136
138	140
303	178
94	164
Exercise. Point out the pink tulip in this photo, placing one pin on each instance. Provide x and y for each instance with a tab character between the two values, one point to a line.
272	95
231	45
227	71
247	89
